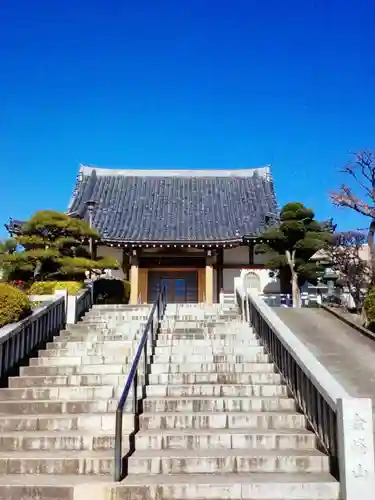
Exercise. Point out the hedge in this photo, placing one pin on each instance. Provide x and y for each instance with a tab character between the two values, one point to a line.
49	287
111	291
369	307
14	304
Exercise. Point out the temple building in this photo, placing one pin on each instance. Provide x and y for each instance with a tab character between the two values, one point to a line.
181	229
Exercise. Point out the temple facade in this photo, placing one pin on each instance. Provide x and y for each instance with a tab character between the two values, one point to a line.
180	229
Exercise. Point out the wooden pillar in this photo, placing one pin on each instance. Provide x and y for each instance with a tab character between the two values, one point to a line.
251	253
219	273
209	278
126	265
134	278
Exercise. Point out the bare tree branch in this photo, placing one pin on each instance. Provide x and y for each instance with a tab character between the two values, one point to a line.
346	198
362	170
345	256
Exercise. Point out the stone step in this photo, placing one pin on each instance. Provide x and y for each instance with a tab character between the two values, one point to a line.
131	315
82	328
102	333
119	364
259	486
208	342
84	361
75	369
65	422
230	420
226	461
207	357
58	441
207	336
165	353
217	350
88	344
68	380
35	406
214	343
85	463
208	461
206	327
259	377
259	382
68	393
96	329
108	325
99	351
199	439
218	390
224	368
99	336
203	404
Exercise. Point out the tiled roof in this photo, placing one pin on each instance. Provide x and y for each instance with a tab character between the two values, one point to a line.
14	226
158	206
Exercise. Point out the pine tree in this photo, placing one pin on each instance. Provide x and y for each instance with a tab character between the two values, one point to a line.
292	243
7	247
54	248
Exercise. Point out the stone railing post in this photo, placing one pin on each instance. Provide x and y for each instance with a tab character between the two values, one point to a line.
356	448
221	298
70	305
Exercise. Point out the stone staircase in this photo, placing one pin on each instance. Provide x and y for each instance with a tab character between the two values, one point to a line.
217	421
57	419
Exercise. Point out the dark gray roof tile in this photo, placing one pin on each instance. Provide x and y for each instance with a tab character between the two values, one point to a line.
148	206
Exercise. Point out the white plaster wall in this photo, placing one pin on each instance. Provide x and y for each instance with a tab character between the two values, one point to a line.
260	258
115	253
266	284
238	255
228	279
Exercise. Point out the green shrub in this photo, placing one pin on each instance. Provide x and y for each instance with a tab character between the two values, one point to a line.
110	291
369	308
49	287
73	287
14	304
42	288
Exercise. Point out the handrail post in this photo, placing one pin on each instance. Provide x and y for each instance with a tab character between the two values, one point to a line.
118	445
135	395
159	308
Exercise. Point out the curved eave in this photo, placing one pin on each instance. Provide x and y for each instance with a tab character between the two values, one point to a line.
175	244
254	239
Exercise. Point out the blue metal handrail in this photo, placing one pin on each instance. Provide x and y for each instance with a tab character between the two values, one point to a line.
151	328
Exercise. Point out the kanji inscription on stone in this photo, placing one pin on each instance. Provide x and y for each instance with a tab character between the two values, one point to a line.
359	444
359	423
360	471
355	444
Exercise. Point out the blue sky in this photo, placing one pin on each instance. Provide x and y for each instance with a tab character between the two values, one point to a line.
188	84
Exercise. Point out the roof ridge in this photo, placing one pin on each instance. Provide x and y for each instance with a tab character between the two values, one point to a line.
264	171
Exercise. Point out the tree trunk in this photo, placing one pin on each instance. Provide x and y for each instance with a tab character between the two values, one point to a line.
296	293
